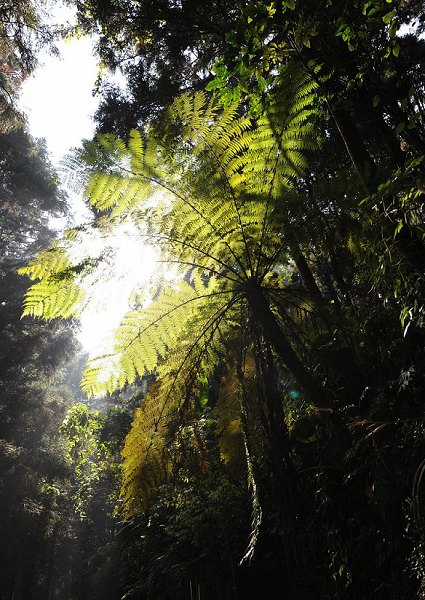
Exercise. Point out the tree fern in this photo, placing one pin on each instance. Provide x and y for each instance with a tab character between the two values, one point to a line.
212	199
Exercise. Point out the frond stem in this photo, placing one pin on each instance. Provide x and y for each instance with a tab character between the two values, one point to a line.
169	312
198	266
233	196
175	193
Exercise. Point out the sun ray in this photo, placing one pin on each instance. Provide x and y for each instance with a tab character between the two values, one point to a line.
127	265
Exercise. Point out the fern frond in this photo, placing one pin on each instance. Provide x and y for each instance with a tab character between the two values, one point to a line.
145	451
57	294
179	379
148	334
50	261
53	299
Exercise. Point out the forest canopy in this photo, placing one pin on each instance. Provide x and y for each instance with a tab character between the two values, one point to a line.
265	430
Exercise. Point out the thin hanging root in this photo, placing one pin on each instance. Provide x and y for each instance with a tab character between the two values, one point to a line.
257	512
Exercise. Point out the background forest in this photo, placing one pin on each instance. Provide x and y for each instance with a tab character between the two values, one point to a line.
256	428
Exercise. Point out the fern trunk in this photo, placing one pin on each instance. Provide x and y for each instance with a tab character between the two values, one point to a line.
273	334
264	317
288	499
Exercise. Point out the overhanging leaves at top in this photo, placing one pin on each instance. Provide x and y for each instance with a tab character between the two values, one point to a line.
212	198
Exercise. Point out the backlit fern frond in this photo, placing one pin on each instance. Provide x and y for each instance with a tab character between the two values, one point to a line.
195	113
149	451
229	427
172	325
119	176
146	461
169	406
283	136
260	156
53	299
57	294
48	262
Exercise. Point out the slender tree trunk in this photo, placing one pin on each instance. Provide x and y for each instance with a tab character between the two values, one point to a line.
305	271
359	155
410	243
273	334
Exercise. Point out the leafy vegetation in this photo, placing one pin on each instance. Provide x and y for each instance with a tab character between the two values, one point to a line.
262	435
22	33
34	395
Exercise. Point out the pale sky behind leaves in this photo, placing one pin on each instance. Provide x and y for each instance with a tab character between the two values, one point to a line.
58	98
59	105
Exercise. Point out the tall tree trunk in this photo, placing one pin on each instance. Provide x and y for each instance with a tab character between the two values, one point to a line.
305	271
262	314
410	243
284	476
289	502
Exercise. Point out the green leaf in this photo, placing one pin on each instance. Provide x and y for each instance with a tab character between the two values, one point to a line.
388	17
398	228
393	29
215	84
262	83
376	101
